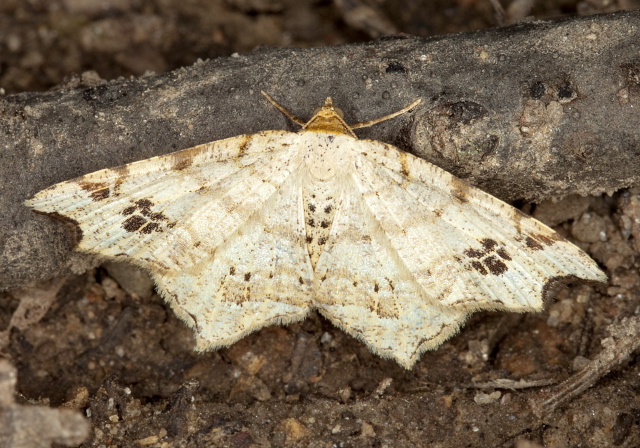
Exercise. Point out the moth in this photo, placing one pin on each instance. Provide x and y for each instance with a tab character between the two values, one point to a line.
261	229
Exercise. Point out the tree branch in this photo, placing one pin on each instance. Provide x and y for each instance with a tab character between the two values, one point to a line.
533	111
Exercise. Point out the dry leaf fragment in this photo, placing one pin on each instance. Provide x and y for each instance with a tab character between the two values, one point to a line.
35	426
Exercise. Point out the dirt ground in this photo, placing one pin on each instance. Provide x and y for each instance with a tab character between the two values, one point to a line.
103	343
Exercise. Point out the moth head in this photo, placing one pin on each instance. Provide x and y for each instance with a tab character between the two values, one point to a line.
328	105
330	119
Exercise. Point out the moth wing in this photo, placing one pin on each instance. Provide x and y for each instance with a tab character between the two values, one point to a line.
465	248
261	275
168	212
365	289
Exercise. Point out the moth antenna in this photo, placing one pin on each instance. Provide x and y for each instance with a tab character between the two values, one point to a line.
366	124
289	115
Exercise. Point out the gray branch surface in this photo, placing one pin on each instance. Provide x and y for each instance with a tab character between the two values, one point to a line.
533	111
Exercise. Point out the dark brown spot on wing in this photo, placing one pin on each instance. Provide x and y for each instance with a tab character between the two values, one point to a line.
152	226
474	253
244	145
99	195
232	270
182	163
98	190
92	186
247	276
122	171
152	216
460	190
460	195
144	203
393	288
533	244
479	267
484	261
488	244
548	240
133	223
140	213
495	265
404	164
503	254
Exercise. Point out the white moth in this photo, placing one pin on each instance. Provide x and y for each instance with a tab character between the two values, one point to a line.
261	229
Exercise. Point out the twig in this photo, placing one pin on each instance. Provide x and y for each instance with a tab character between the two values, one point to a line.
505	383
624	340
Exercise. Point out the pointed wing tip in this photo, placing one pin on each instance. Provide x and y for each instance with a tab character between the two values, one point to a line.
590	272
31	202
599	277
409	356
409	360
38	207
407	364
552	284
36	202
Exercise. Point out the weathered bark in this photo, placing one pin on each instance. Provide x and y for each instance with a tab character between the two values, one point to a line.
533	111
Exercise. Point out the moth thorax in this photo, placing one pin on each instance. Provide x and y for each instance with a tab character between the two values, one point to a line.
325	161
335	109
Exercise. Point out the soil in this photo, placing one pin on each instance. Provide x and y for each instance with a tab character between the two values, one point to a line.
105	344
